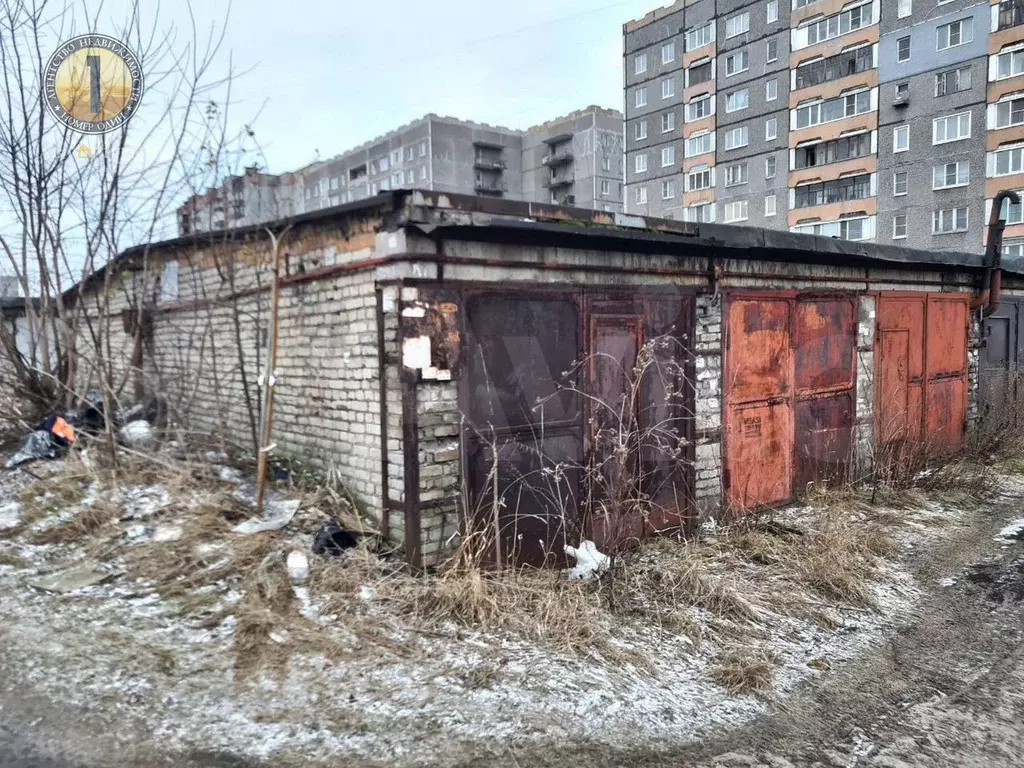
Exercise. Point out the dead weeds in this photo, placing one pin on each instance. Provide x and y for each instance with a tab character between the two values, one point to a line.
745	670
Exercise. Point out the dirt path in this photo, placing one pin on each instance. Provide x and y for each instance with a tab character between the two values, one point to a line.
947	690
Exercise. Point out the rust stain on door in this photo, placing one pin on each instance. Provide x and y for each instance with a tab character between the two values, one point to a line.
921	406
790	383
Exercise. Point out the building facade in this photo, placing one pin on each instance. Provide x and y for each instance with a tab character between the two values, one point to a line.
572	160
895	122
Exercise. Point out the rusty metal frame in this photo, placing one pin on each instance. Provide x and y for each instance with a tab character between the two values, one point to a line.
792	297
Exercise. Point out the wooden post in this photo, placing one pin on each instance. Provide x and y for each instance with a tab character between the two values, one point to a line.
267	412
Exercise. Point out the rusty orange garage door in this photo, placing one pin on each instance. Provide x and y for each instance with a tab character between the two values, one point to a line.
921	394
789	393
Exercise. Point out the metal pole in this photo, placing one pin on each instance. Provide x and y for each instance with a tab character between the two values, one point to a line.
267	425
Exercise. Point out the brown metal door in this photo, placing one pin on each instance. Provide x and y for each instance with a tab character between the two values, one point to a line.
525	442
824	371
614	428
789	394
758	401
921	401
1000	357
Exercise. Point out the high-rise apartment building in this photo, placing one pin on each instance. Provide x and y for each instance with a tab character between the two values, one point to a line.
888	120
572	160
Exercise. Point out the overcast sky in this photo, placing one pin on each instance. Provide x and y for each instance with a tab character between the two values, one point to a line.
330	74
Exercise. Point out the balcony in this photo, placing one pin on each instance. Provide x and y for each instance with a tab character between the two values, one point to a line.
562	157
834	68
488	186
1011	13
556	182
489	163
838	191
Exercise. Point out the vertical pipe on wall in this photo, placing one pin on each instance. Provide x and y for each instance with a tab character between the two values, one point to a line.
411	457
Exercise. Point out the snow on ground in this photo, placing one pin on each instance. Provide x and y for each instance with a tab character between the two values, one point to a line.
121	644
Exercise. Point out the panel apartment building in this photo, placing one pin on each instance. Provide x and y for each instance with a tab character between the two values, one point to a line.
572	160
894	121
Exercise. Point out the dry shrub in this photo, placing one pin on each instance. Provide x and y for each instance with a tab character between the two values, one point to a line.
745	670
82	525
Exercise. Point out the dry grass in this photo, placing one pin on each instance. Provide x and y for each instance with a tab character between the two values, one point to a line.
82	525
13	560
745	670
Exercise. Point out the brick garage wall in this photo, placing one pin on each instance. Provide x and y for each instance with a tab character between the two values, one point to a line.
708	350
207	350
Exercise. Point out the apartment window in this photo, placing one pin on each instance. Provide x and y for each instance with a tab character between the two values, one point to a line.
382	164
900	138
900	182
834	151
1011	14
668	52
640	64
606	187
409	154
423	149
771	52
668	122
946	175
828	192
668	88
640	130
903	49
309	193
699	178
702	212
949	220
903	8
737	62
769	167
698	108
952	81
954	34
737	100
396	156
737	24
951	128
835	67
606	163
699	143
902	90
1008	161
772	11
423	171
1014	248
771	90
844	229
735	174
1010	112
736	137
699	73
832	27
668	189
899	226
769	205
410	176
1010	64
668	156
700	36
334	182
640	97
1012	214
834	109
734	211
640	195
640	163
771	129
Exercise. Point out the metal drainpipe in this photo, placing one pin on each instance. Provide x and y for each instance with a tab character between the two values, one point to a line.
991	287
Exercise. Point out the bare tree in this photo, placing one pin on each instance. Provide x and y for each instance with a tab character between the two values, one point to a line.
66	212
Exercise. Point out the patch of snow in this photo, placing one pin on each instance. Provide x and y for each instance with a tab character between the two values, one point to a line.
10	515
1012	530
